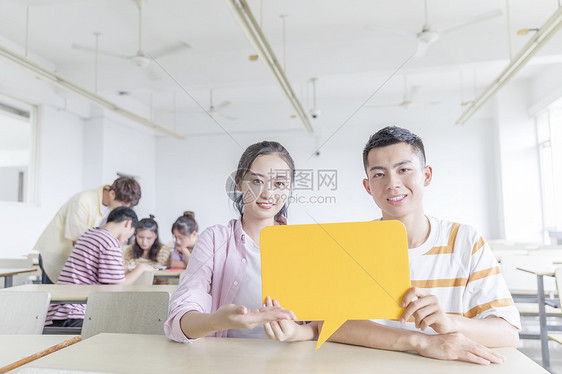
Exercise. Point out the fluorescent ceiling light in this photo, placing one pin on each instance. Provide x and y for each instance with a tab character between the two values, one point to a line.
242	13
551	26
61	81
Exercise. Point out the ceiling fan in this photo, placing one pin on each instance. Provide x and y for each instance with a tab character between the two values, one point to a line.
141	59
429	34
214	110
407	100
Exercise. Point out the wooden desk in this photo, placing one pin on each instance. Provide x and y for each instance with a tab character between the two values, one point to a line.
17	347
78	294
126	353
9	273
541	273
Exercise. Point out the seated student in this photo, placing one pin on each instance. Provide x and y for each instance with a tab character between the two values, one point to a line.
83	211
97	258
147	247
185	234
220	294
460	303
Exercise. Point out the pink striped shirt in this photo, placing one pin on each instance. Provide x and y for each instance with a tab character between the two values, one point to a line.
97	258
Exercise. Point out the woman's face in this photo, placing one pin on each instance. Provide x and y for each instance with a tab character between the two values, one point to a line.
145	238
184	241
265	187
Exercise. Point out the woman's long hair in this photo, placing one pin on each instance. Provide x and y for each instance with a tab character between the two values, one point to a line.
148	224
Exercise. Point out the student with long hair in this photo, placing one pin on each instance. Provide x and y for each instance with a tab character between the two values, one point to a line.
184	231
220	294
147	247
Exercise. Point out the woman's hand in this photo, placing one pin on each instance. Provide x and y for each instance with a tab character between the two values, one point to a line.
231	316
288	331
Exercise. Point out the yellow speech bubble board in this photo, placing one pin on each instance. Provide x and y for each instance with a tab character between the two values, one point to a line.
336	271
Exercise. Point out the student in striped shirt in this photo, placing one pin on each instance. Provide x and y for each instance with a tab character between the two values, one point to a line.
459	303
97	258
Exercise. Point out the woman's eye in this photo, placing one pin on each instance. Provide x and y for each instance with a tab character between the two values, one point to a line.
377	175
256	181
280	184
404	170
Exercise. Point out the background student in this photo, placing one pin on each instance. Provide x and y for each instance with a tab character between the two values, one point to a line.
97	258
83	211
220	294
460	303
147	247
184	231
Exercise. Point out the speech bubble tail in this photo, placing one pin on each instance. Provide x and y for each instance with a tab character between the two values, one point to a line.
328	328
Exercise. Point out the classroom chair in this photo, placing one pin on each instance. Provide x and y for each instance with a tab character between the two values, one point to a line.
23	312
521	283
126	312
145	279
557	337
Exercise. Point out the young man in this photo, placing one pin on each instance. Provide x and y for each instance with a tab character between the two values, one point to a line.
459	304
83	211
97	258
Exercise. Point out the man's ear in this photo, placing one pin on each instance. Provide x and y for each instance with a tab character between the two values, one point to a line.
366	185
427	175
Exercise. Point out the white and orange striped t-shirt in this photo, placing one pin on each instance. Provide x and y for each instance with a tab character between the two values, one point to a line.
457	266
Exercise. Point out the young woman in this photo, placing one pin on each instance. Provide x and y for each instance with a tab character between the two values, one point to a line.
184	231
147	247
220	294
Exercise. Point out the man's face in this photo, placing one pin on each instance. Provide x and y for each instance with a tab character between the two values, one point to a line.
396	179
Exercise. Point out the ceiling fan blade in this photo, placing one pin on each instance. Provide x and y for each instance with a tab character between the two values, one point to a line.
423	103
173	48
221	106
472	20
421	49
101	52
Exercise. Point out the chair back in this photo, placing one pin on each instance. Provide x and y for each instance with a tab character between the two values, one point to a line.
126	313
145	279
23	312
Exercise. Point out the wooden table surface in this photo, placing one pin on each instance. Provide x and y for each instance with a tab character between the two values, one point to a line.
16	347
126	353
63	293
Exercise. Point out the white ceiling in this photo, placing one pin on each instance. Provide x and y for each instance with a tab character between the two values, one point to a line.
341	42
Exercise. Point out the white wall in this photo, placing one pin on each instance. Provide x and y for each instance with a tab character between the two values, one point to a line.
519	164
59	175
191	174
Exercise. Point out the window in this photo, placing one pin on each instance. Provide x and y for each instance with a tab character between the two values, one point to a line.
17	151
549	141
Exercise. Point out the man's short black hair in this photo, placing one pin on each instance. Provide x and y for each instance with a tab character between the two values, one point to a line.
123	213
391	135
